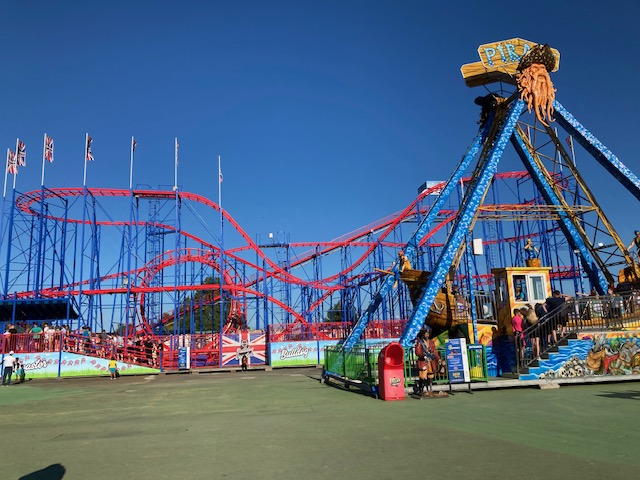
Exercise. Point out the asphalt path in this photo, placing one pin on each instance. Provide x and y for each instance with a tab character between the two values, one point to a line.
286	424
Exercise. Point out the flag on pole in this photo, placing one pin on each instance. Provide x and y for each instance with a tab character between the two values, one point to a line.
133	144
12	164
219	173
22	153
89	155
48	148
570	143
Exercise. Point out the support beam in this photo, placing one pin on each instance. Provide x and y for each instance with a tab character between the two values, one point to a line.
466	215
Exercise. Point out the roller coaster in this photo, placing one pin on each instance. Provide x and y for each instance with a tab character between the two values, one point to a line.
163	261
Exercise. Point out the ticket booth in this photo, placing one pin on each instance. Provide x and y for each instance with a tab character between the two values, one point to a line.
517	287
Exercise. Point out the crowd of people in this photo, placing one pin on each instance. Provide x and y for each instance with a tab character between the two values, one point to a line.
529	315
140	349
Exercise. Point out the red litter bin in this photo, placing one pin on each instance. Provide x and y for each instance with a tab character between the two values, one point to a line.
391	372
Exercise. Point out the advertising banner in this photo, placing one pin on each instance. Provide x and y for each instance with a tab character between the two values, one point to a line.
48	365
289	354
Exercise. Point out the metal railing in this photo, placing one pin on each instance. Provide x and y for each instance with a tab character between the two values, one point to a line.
620	311
361	364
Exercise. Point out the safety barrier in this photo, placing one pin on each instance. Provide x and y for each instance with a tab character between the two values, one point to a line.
361	364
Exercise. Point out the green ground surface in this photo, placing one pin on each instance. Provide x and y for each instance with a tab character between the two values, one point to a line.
285	424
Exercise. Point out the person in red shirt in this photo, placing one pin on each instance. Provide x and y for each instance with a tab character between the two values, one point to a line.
517	325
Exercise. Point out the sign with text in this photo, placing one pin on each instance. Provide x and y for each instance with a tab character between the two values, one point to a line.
184	358
457	361
499	62
508	52
289	354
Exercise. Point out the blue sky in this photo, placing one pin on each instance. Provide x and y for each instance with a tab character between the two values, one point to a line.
328	115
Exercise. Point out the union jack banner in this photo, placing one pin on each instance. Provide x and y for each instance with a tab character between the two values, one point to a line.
89	156
48	148
12	165
22	154
234	346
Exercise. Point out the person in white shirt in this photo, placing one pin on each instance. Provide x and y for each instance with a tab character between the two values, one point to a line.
8	362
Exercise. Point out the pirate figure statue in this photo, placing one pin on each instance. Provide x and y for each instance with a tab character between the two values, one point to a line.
427	356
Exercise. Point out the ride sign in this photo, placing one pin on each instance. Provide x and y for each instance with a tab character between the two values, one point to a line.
499	62
184	358
457	361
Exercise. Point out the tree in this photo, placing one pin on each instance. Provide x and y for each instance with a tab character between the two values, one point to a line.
335	313
204	307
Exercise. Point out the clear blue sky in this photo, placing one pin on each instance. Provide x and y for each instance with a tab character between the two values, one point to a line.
328	114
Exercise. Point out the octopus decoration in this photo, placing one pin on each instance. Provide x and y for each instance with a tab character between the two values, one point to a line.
535	84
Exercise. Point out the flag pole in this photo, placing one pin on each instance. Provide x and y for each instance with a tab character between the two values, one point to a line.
133	146
175	174
10	232
221	303
573	153
130	307
4	197
37	282
15	172
176	292
44	154
6	173
81	318
86	150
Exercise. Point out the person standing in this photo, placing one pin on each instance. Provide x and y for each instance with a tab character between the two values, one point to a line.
244	362
427	356
531	319
530	250
8	362
113	368
36	333
559	319
635	243
18	369
517	325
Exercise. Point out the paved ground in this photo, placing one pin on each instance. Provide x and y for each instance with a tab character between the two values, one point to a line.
285	424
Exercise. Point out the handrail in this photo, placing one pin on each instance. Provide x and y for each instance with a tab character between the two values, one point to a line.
618	311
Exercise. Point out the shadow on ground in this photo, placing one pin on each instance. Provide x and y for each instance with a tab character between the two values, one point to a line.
52	472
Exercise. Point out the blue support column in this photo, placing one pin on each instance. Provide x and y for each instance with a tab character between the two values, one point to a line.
412	246
463	222
565	222
597	149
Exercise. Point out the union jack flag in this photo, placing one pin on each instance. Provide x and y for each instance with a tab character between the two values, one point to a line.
22	154
89	155
12	165
48	148
570	143
254	345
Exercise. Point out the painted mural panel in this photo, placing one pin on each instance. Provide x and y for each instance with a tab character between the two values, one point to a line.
601	353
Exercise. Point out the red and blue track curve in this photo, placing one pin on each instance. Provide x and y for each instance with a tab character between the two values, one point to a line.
209	255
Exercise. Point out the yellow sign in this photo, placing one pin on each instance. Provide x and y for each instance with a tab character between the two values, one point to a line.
499	62
508	52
